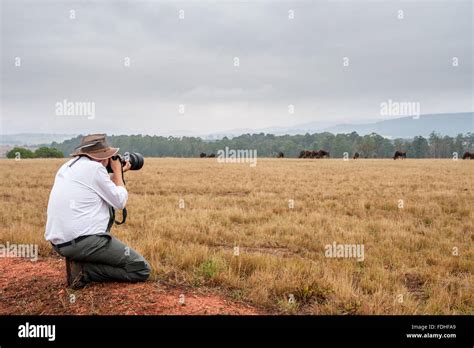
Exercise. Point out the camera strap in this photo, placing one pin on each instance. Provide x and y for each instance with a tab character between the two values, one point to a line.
73	162
124	216
124	210
112	218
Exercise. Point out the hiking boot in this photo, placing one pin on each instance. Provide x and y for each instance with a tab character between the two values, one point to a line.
75	275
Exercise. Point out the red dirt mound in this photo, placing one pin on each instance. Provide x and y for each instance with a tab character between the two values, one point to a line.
39	287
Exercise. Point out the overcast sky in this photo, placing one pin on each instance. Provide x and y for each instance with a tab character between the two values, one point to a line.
191	62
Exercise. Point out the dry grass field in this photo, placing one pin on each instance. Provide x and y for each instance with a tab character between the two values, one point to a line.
417	259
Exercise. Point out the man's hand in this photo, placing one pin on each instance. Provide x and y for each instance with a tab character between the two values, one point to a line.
127	166
117	171
116	166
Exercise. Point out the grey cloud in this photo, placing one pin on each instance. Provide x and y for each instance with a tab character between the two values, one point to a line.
190	62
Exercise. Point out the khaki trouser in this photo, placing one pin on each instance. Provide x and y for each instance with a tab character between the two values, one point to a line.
105	258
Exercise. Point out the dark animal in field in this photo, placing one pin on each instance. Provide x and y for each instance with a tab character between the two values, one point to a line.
322	154
305	154
313	154
356	155
468	155
400	154
202	155
212	155
280	155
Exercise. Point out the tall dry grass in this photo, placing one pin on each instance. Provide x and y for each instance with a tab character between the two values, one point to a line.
410	264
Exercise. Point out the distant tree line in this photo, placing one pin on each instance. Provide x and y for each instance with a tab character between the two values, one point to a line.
269	145
42	152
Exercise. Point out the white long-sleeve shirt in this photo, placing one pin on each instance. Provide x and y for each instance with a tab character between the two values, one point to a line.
79	200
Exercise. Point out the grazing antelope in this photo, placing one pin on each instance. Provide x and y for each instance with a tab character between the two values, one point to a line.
400	154
468	155
322	154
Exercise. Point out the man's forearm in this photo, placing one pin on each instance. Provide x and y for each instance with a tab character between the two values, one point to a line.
117	179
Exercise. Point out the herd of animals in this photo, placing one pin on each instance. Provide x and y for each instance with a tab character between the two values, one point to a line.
204	155
325	154
314	154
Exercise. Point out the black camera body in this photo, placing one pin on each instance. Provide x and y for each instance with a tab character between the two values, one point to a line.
136	160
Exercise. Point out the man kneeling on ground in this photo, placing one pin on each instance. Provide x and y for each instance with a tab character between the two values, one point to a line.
80	215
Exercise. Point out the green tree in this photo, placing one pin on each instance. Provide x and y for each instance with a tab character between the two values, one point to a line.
435	145
48	152
23	153
268	145
458	145
420	147
367	146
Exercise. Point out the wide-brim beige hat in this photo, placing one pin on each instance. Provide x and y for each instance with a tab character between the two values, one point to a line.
95	146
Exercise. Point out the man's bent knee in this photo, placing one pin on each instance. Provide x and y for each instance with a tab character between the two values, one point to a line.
139	270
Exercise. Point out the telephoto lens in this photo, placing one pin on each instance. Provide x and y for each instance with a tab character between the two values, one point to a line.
136	160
